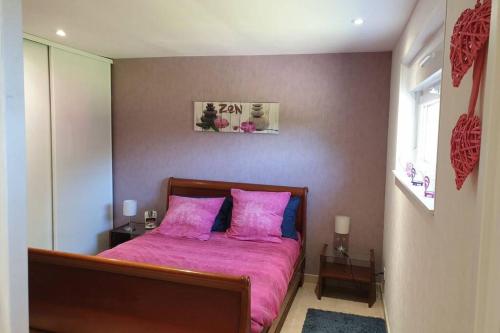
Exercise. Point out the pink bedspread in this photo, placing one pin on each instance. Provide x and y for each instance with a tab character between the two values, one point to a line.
269	265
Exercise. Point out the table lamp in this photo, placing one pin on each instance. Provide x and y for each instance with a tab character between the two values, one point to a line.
341	235
130	210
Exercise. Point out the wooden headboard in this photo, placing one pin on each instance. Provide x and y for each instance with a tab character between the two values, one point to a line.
207	188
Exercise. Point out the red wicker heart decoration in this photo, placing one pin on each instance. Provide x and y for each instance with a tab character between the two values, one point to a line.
470	34
468	46
465	147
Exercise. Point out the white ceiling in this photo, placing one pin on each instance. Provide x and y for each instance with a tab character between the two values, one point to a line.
156	28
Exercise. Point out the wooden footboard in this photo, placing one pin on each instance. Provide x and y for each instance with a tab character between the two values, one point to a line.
75	293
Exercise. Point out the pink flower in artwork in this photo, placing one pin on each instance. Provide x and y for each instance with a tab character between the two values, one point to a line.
221	122
247	126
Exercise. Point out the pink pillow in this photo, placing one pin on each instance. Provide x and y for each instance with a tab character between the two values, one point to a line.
257	215
190	217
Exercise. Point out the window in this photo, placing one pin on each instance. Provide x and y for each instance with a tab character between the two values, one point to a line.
427	103
418	122
418	127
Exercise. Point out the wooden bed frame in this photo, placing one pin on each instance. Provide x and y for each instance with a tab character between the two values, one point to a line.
78	293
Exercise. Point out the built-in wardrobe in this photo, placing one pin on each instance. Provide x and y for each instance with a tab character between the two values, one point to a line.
69	156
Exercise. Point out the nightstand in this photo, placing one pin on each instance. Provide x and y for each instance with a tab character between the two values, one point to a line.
349	277
120	235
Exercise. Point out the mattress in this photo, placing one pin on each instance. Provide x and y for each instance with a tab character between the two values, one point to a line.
269	265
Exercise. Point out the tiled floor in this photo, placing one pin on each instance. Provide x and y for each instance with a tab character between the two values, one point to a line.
306	298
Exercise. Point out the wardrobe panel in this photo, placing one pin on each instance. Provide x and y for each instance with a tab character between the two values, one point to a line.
38	141
81	141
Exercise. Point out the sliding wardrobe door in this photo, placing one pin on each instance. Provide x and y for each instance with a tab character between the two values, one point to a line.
38	141
81	144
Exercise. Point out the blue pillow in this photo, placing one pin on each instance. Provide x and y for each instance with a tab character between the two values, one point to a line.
223	218
289	216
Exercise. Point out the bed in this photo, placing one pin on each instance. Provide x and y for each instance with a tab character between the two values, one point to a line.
142	292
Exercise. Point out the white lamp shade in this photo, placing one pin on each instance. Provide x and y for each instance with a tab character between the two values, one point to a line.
129	208
342	224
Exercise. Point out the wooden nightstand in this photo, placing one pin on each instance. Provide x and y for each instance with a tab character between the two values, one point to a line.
357	280
120	235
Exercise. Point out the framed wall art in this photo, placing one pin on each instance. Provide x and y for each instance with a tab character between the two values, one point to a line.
236	117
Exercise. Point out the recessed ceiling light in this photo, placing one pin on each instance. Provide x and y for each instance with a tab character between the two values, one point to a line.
61	33
358	21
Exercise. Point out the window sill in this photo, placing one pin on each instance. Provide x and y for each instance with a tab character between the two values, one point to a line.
414	193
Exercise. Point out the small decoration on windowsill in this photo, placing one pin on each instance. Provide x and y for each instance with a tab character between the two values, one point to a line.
413	181
468	47
409	167
427	193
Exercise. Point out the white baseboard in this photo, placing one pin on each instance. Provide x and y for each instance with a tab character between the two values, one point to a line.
310	278
387	325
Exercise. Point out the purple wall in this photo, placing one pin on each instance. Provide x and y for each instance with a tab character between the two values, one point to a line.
333	133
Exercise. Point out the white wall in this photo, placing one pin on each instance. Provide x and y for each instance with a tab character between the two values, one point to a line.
13	261
488	291
432	261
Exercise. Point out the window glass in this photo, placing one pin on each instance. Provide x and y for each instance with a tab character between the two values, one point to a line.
427	114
